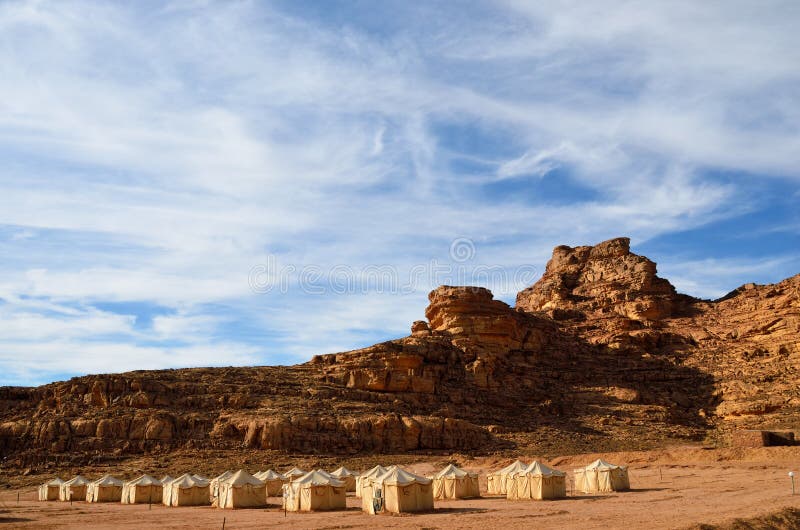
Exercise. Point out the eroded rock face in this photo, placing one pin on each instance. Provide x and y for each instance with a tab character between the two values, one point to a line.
607	278
480	324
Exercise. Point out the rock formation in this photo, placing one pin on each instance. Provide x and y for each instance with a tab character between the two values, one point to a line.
600	353
607	279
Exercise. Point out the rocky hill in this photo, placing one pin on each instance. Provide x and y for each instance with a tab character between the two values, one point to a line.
599	354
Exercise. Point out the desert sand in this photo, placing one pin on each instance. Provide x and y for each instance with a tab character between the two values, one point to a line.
677	488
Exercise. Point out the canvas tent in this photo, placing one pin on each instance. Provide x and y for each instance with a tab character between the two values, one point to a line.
294	473
497	481
400	492
537	481
50	491
368	475
454	483
241	490
105	489
601	477
165	479
186	491
214	485
346	476
273	481
142	490
315	491
74	489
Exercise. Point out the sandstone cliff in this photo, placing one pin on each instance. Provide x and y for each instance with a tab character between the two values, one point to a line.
600	353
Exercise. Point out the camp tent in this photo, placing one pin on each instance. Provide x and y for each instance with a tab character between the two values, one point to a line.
346	476
537	481
454	483
199	477
105	489
294	473
497	481
186	491
165	479
315	491
74	489
142	490
214	485
401	491
366	476
241	490
273	481
50	491
601	477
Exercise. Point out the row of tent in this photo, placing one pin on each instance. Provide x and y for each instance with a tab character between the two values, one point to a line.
538	481
392	489
399	490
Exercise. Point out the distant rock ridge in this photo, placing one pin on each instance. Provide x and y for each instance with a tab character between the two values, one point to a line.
599	354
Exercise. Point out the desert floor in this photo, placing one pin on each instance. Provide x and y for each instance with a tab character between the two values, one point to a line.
676	488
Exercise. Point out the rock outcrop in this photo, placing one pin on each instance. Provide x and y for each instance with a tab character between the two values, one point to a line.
600	353
584	282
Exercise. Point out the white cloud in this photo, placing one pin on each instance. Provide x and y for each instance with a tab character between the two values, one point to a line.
185	327
34	327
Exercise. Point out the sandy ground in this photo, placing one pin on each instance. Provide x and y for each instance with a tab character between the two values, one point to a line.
670	489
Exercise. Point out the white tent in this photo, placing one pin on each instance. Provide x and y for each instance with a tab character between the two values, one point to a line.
315	491
273	481
400	491
186	491
497	481
366	476
50	491
454	483
347	476
601	477
199	477
537	481
294	473
142	490
241	490
74	489
214	486
105	489
165	479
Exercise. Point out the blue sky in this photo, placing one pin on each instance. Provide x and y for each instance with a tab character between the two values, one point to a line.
232	183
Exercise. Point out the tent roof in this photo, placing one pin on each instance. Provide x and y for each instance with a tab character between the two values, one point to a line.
107	480
55	482
223	476
375	471
512	468
270	475
145	480
400	477
241	478
601	464
318	478
165	479
343	472
77	480
199	477
188	481
539	469
452	471
295	472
